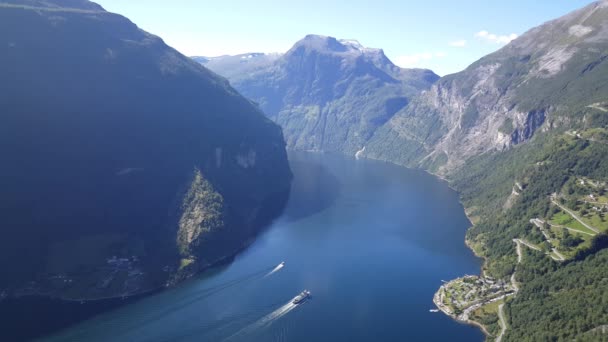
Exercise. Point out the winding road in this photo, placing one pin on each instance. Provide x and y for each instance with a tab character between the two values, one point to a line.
503	322
574	216
570	229
501	315
539	223
519	242
529	245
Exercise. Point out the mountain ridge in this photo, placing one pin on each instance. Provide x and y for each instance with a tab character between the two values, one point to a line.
84	5
128	166
515	86
330	94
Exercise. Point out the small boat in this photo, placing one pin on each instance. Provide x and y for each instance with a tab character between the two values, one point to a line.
434	310
282	263
301	297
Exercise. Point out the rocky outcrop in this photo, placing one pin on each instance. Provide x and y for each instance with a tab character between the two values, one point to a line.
539	81
202	213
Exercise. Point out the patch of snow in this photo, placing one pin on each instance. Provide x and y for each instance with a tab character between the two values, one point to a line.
352	43
355	45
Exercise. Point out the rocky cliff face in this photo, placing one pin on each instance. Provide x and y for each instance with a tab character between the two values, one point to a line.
124	162
541	80
328	94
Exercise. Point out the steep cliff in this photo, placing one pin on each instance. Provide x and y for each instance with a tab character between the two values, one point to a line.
545	79
125	164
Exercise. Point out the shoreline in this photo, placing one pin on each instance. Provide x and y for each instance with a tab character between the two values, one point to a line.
452	316
158	289
229	258
446	181
441	308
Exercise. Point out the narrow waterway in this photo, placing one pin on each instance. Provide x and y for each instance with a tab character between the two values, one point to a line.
371	241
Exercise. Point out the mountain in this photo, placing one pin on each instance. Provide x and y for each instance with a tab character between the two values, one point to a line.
238	66
61	5
327	94
547	78
126	166
522	134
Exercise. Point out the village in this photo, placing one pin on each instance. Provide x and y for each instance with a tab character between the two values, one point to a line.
460	297
117	277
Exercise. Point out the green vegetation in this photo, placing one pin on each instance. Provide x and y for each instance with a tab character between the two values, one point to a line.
106	171
561	304
563	219
554	112
507	126
487	315
474	299
183	263
337	108
547	165
202	213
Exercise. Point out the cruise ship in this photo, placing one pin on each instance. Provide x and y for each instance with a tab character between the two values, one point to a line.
301	297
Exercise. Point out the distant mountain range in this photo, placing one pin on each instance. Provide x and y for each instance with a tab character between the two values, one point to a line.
327	94
125	165
516	132
238	66
336	95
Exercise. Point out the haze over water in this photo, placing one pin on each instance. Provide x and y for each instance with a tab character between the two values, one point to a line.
371	241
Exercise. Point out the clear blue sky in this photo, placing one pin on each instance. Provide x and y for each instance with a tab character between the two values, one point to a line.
443	35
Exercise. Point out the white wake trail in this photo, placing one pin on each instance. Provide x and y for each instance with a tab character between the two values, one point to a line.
266	320
275	270
278	313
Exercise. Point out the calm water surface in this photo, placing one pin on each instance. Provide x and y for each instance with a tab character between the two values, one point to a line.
371	241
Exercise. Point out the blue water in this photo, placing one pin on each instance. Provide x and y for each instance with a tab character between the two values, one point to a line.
371	241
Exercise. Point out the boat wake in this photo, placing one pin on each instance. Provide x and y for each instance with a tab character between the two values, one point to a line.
275	315
266	320
191	299
276	269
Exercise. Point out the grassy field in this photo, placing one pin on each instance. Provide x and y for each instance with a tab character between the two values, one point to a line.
564	219
491	308
570	253
488	316
594	220
185	262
